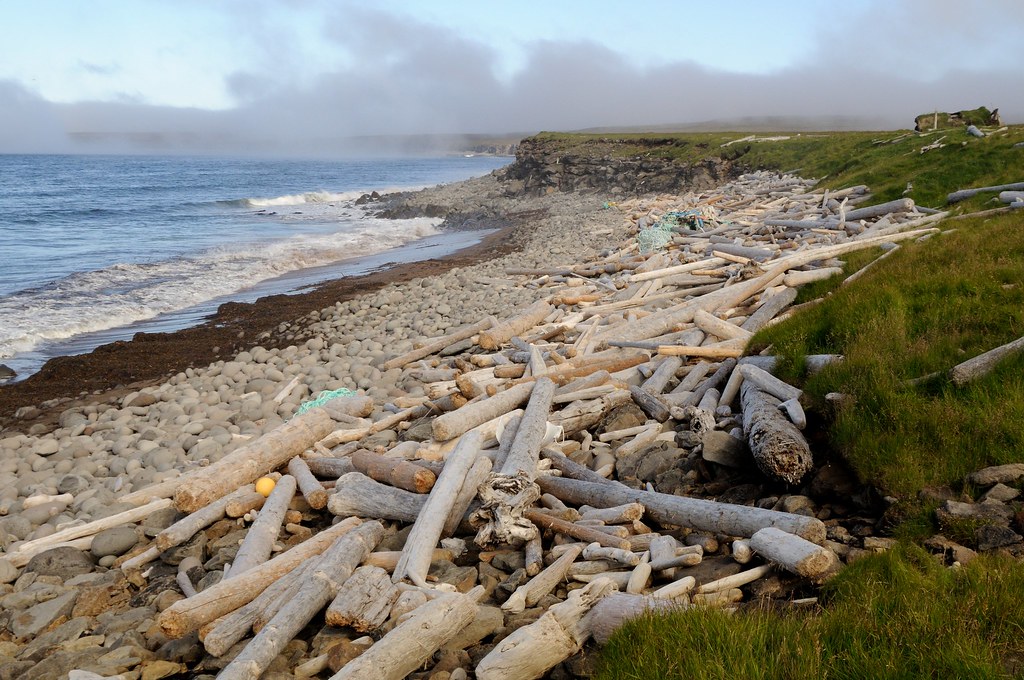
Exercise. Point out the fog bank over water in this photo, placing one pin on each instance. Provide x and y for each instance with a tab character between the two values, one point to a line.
404	77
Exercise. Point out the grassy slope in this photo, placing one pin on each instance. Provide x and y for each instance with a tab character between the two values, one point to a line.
923	310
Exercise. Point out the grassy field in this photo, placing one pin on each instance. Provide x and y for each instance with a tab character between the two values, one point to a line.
928	307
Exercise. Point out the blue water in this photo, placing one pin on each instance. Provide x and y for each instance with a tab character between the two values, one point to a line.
95	248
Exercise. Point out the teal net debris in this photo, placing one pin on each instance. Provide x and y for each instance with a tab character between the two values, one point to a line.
654	238
659	235
322	399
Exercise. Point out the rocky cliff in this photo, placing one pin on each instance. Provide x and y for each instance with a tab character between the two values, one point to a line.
608	165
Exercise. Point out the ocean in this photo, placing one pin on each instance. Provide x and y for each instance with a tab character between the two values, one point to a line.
94	249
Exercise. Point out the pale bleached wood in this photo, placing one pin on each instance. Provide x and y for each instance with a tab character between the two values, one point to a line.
583	533
619	514
187	527
649	403
426	531
525	449
641	575
616	609
246	503
740	579
185	616
711	324
29	549
356	495
665	372
984	363
968	193
312	490
220	635
531	651
364	601
533	556
680	588
582	415
767	382
331	468
437	344
793	553
722	350
797	278
495	337
318	588
259	541
476	476
530	593
778	447
450	425
596	551
694	513
248	463
388	559
678	269
412	642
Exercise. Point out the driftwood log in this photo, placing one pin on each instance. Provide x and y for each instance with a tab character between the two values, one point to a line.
364	601
794	553
259	540
356	495
779	449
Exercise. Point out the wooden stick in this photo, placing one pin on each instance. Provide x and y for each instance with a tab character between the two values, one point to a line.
248	463
413	641
708	351
185	616
582	533
394	471
742	578
335	566
422	540
769	383
259	541
711	324
437	344
312	490
246	503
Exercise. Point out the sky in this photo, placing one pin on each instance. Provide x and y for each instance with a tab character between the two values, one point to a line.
301	76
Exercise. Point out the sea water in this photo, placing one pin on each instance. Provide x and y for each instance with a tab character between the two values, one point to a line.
96	248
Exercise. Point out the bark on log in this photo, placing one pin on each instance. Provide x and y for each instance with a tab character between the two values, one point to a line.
794	553
364	601
259	541
185	616
356	495
694	513
335	566
248	463
495	337
438	344
778	447
450	425
613	611
312	490
531	651
984	363
426	531
413	641
395	472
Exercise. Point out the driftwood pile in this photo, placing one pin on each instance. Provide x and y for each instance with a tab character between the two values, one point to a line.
504	459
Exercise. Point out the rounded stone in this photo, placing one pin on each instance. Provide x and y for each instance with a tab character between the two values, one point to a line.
115	541
46	447
64	562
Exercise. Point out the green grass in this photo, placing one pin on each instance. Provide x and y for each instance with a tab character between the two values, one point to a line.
841	158
921	311
897	615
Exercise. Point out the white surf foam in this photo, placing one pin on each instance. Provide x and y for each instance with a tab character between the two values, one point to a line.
125	293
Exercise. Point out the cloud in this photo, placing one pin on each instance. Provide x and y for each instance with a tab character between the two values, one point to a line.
28	124
99	69
399	76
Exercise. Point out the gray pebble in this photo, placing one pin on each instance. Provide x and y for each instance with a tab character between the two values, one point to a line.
114	542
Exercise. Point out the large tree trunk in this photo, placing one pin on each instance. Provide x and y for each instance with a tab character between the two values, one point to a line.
779	449
695	513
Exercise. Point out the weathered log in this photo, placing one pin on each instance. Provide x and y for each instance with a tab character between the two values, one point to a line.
248	463
769	310
694	513
591	363
596	551
531	651
711	383
531	592
578	531
649	404
619	514
412	642
356	495
525	449
715	351
984	363
426	531
476	476
769	383
679	588
335	566
259	540
533	556
779	449
659	380
450	425
437	344
711	324
394	471
614	610
570	468
582	415
185	616
794	553
187	527
388	559
364	601
495	337
963	194
742	578
246	503
899	205
331	468
220	635
797	278
312	490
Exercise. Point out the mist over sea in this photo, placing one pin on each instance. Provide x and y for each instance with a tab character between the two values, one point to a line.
96	248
